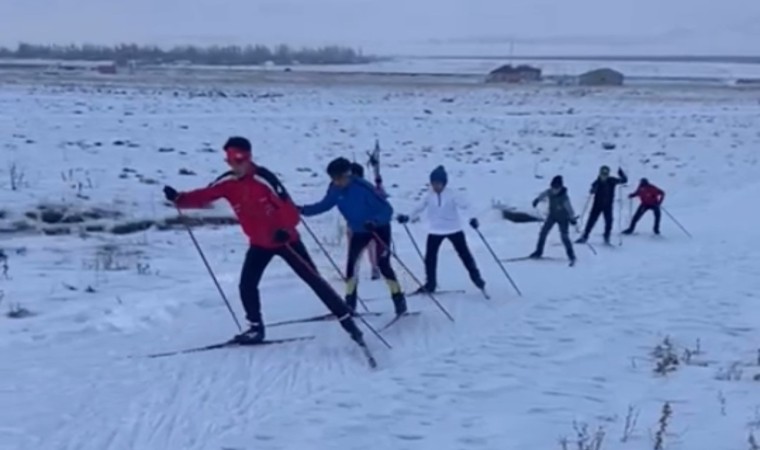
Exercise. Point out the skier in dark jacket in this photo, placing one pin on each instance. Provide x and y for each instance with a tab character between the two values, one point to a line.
651	198
368	215
603	190
269	219
560	213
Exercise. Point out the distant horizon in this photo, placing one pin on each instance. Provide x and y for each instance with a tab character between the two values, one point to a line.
643	57
402	27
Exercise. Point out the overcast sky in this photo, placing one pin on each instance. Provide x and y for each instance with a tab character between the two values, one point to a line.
400	26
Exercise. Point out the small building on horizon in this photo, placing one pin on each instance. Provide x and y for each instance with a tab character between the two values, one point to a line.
601	77
514	74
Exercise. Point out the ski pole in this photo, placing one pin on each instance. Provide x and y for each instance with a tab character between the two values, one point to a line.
676	221
314	272
208	266
414	242
620	215
412	275
583	213
329	258
498	261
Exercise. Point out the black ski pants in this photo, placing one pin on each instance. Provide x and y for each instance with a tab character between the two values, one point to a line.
564	233
459	241
596	211
641	210
359	241
297	257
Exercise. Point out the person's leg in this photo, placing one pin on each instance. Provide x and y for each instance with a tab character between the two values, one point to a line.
256	261
432	246
459	241
608	222
657	217
382	236
297	257
636	217
355	246
545	228
593	216
564	234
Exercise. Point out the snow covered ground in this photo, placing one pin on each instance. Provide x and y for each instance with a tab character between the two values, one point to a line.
510	373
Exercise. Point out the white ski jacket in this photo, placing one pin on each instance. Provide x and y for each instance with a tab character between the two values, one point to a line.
442	211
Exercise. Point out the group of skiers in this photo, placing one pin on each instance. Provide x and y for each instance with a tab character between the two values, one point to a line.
269	217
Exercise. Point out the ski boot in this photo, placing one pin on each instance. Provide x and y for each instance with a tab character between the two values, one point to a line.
426	289
254	335
348	324
535	255
399	303
375	273
481	285
581	240
607	240
627	231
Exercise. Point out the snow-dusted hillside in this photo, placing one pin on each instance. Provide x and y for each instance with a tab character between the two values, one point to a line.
510	373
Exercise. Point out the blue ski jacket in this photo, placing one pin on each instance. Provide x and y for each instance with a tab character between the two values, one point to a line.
358	202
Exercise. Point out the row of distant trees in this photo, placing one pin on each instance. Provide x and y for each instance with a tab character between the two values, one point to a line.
232	55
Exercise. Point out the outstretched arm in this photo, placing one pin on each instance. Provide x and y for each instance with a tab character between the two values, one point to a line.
327	203
541	197
623	178
199	198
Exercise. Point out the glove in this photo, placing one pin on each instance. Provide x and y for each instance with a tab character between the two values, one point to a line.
474	223
170	193
370	226
620	172
631	195
281	236
573	221
535	203
401	218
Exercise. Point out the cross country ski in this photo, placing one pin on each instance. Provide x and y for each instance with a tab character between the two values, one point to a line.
230	344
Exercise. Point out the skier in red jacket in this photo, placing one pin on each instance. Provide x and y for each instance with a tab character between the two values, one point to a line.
651	198
269	218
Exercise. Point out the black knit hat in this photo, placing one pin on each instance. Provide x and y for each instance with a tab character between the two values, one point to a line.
238	143
557	182
357	170
338	167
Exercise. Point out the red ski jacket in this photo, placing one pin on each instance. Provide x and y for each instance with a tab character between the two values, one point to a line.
260	210
650	195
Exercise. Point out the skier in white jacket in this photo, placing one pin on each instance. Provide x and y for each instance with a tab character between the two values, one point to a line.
443	207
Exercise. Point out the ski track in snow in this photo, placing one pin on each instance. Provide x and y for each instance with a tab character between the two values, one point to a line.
511	372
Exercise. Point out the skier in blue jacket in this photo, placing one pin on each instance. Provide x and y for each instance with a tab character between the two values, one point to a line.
368	215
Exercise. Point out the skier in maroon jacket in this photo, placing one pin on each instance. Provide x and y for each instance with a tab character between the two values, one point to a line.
269	218
651	198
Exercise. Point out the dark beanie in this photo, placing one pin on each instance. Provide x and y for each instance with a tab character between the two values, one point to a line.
357	170
557	181
439	175
239	143
338	166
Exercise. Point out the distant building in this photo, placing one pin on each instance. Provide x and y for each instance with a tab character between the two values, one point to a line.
514	74
601	77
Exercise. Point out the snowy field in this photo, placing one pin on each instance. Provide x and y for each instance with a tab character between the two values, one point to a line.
653	344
